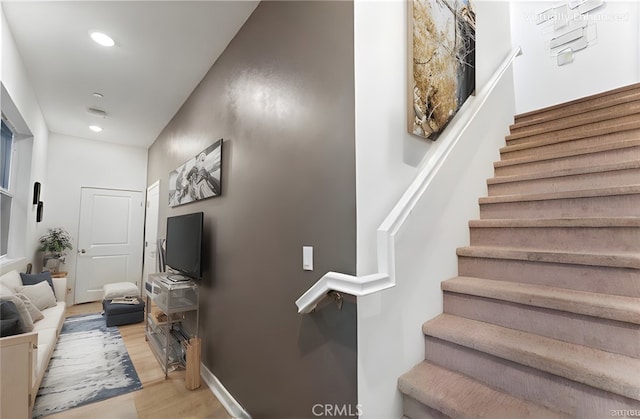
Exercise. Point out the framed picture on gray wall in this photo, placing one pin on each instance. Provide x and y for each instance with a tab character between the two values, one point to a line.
198	178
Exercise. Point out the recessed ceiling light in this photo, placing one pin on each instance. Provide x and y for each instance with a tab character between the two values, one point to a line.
102	39
95	128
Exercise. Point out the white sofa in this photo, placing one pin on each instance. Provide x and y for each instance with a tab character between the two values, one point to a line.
24	358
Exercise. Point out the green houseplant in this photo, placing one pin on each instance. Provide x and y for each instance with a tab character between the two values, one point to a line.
54	244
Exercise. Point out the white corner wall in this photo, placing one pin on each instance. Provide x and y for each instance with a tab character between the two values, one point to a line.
78	162
613	61
390	339
16	84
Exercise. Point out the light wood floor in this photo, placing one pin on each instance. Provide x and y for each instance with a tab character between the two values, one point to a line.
158	398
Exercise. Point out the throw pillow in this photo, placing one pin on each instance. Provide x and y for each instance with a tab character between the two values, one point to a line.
4	290
40	294
11	280
25	317
120	289
31	308
10	323
32	279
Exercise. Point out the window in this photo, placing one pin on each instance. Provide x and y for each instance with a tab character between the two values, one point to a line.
6	198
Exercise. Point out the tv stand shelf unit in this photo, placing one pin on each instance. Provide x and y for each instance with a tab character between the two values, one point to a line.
167	305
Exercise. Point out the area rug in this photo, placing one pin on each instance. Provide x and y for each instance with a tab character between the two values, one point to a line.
90	363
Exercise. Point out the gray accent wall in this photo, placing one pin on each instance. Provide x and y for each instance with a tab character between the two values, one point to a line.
281	97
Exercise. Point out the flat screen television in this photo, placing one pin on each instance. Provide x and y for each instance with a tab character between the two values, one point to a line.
184	246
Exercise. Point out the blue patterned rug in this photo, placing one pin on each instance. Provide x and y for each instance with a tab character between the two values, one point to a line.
90	363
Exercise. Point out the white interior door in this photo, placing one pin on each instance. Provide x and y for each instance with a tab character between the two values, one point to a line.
151	230
109	241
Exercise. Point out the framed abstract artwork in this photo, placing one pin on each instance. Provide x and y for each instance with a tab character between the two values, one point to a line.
441	63
198	178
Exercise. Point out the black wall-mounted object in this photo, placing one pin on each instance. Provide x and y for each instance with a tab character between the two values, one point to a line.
39	211
36	193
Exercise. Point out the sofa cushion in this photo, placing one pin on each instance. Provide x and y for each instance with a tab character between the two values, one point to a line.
11	279
31	308
10	323
32	279
25	317
53	318
40	294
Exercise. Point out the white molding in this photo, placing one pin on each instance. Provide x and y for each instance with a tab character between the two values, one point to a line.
385	277
232	406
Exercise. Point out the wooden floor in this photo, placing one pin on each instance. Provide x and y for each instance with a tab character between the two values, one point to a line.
158	398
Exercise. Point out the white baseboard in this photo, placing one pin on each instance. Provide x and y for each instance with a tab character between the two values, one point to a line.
234	408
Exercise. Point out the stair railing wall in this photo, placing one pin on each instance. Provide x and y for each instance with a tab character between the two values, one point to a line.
385	278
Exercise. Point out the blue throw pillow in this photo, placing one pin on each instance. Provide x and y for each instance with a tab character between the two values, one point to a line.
10	323
32	279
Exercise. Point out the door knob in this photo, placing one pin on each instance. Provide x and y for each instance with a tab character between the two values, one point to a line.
83	251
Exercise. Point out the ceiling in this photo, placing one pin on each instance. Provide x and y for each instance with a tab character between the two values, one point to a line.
162	51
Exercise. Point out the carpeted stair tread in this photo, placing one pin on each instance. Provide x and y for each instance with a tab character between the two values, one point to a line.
613	111
459	396
597	222
543	145
603	370
612	260
611	167
582	193
568	153
604	127
582	104
606	306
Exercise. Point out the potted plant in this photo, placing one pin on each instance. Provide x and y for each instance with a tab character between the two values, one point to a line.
54	245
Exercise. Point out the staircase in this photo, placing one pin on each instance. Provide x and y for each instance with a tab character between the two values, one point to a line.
544	319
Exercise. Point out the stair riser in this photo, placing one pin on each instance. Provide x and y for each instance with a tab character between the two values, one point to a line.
575	239
571	121
567	183
552	391
600	206
607	335
623	123
620	155
415	410
555	147
608	280
624	94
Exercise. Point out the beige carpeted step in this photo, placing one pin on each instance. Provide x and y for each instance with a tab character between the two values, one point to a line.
551	145
602	370
566	123
612	307
609	273
561	325
620	95
458	396
623	151
599	235
562	180
549	389
615	124
621	201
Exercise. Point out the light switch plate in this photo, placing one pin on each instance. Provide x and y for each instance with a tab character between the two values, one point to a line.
307	258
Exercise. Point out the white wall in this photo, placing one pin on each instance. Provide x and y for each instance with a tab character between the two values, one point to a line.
20	101
78	162
611	62
390	340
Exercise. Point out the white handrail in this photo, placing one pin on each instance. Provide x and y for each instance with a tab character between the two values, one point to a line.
385	277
